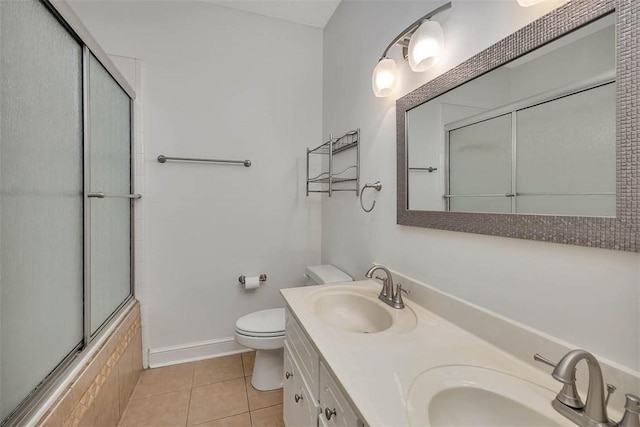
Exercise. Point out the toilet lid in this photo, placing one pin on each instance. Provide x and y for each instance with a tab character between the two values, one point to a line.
262	322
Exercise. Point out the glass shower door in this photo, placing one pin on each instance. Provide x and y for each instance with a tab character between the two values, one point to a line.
41	203
110	186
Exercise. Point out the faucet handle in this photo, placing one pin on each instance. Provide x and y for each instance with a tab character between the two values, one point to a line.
385	280
539	358
631	416
569	393
610	390
397	297
384	293
399	290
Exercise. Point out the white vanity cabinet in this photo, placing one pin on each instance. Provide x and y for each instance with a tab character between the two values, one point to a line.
311	395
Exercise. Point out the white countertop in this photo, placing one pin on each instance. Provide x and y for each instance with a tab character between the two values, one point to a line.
378	370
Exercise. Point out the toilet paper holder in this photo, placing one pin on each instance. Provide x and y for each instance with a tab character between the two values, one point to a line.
241	279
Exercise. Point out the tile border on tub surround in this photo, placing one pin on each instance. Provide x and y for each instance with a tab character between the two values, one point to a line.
515	338
81	399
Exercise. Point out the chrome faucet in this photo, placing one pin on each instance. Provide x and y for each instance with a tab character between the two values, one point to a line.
386	294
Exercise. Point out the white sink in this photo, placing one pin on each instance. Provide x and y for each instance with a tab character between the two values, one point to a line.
356	309
459	395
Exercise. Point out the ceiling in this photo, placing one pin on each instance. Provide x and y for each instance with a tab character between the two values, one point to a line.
314	13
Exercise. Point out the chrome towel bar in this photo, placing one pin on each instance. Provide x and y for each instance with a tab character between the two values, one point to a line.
102	195
163	159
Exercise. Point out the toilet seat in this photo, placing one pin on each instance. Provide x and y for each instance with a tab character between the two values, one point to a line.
260	334
264	323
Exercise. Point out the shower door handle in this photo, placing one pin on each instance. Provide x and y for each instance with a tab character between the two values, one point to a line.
102	195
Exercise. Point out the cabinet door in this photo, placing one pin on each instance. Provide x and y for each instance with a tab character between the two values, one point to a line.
334	406
309	409
288	400
303	353
300	408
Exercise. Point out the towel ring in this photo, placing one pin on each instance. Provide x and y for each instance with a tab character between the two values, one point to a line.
376	185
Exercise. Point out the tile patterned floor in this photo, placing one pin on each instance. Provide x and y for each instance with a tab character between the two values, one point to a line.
209	393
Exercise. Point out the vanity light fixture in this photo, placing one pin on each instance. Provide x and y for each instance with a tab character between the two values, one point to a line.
422	45
527	3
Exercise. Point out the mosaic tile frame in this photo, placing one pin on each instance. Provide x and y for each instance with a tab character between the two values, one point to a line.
619	233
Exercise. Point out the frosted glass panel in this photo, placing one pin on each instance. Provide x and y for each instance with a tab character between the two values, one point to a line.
480	163
569	154
110	173
425	190
480	157
595	205
480	204
41	246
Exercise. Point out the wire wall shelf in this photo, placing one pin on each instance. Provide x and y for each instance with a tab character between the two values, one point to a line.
328	181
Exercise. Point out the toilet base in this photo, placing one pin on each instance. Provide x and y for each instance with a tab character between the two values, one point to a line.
268	369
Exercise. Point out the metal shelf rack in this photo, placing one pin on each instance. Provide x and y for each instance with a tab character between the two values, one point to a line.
328	181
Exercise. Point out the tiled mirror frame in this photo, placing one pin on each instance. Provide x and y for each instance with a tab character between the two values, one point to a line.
621	232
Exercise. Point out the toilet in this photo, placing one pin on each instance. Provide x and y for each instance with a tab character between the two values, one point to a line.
264	331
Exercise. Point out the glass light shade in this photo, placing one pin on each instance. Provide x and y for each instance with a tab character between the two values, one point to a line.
426	46
527	3
384	77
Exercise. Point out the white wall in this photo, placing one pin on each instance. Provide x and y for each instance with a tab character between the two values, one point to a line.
588	297
223	84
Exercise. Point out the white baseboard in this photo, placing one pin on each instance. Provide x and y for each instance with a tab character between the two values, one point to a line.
174	355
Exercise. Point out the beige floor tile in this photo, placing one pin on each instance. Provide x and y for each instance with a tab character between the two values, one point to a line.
262	399
163	380
169	409
242	420
218	369
248	360
267	417
219	400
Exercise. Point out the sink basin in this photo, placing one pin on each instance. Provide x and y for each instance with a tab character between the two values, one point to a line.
461	395
355	309
353	313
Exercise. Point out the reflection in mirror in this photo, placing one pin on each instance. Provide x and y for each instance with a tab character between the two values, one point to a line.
535	136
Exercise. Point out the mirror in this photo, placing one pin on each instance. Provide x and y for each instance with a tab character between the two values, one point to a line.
535	136
526	139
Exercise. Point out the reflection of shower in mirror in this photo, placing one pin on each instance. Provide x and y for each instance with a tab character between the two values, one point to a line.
535	136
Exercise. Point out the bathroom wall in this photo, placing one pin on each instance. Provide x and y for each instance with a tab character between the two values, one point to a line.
218	83
587	297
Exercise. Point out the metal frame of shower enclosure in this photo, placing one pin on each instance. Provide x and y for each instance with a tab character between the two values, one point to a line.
50	385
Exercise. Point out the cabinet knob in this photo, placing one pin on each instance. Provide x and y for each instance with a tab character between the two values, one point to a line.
328	413
298	397
288	375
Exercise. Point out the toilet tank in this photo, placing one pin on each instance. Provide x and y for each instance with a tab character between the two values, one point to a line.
323	274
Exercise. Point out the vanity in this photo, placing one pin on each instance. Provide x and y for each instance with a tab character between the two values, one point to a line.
351	360
480	156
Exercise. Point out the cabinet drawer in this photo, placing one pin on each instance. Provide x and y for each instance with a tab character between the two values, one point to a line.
300	407
335	407
303	353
